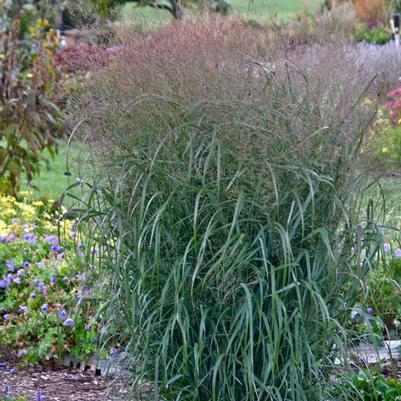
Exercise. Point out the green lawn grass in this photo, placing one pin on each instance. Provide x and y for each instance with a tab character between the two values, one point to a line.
54	177
259	9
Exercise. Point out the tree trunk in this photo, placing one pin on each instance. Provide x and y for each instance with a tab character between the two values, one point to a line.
177	10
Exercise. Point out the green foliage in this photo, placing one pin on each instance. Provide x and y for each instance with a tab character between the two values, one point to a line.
29	90
43	284
370	386
386	141
225	209
378	34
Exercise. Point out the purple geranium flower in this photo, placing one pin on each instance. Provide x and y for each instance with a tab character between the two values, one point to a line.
41	265
69	322
39	395
6	316
53	280
23	309
17	280
369	310
63	314
10	265
21	272
51	239
26	265
113	351
4	283
397	253
386	247
56	248
11	237
33	295
21	353
36	281
45	308
87	327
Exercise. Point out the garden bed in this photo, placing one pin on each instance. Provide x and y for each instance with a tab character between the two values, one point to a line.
59	384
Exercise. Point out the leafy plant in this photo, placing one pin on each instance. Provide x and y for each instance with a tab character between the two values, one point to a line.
225	208
379	34
47	307
371	386
29	90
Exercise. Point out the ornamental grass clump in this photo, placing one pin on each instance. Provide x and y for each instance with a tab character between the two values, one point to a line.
224	208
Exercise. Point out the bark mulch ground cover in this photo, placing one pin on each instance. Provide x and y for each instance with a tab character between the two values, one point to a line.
57	384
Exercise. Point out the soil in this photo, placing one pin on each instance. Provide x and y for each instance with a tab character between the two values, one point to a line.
58	384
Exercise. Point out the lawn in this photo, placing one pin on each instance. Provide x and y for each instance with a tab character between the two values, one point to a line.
55	176
260	9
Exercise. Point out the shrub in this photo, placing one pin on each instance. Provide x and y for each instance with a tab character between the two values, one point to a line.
29	91
46	305
379	34
225	207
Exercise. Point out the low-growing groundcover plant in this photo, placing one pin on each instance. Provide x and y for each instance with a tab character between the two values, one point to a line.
225	208
47	304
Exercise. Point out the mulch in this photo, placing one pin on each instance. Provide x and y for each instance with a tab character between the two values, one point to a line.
59	384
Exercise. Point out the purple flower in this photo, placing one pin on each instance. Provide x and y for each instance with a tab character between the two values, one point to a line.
41	265
10	265
63	314
80	254
23	309
56	248
11	237
69	322
87	327
4	283
6	316
51	239
17	280
369	310
397	253
21	353
80	277
74	234
26	265
80	245
36	281
45	308
386	247
2	240
113	351
6	388
60	256
39	395
65	279
21	272
30	238
53	280
33	295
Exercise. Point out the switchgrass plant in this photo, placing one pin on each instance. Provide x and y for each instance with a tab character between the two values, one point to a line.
225	209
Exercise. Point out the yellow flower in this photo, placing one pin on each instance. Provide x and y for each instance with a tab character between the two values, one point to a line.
38	203
25	193
385	150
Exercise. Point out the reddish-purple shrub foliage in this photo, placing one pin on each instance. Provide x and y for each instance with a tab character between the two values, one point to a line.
395	105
